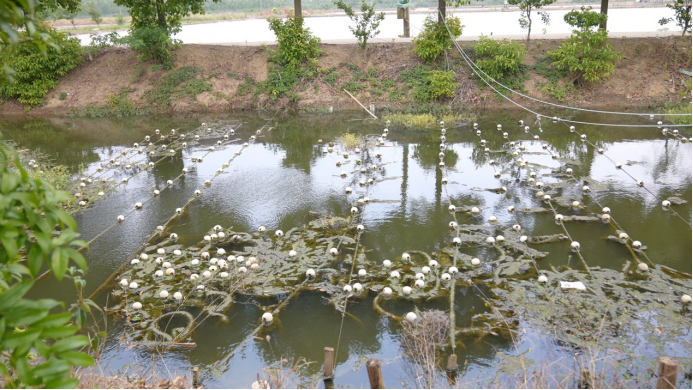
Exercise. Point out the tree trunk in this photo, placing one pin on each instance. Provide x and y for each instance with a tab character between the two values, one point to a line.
297	8
604	10
688	21
441	12
161	13
529	23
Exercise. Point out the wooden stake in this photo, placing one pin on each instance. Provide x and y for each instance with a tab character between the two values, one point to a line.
362	106
668	368
585	380
328	369
196	377
375	375
452	362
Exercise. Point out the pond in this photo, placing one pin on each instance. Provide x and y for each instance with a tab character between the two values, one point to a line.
290	172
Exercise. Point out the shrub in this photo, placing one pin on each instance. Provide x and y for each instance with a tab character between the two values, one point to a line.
120	19
36	331
682	15
442	84
35	72
586	53
434	39
296	44
366	23
499	59
153	43
526	8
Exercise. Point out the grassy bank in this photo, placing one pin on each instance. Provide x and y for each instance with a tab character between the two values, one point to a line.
388	76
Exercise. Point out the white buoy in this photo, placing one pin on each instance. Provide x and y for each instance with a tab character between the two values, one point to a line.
177	252
453	270
426	270
159	273
387	291
558	218
686	298
358	287
433	264
576	204
293	253
360	228
490	240
121	218
224	275
476	261
267	318
666	203
163	294
133	285
500	238
452	224
387	263
419	283
517	228
347	288
161	251
406	256
457	241
134	261
194	277
334	251
445	277
419	276
177	295
575	246
242	270
492	218
278	233
569	171
406	290
475	210
637	244
623	236
310	273
166	265
207	274
363	273
523	239
451	208
394	274
643	267
170	271
348	190
511	209
444	180
543	279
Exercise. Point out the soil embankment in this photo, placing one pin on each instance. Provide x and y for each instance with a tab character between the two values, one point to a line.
649	74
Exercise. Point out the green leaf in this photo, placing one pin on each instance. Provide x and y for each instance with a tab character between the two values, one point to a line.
70	343
26	317
52	367
16	339
77	358
58	332
59	263
52	320
11	296
35	259
67	383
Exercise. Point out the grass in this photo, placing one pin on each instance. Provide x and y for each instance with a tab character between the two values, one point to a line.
350	141
176	83
119	105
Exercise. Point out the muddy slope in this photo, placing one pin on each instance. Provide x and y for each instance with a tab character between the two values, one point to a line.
647	75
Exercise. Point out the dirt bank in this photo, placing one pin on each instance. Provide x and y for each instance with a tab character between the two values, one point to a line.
647	75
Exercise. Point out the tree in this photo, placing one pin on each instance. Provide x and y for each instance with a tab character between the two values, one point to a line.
297	9
67	14
604	9
94	13
366	24
526	8
682	15
37	341
165	14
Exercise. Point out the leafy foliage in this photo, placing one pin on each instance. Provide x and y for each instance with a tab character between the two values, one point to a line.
180	82
34	327
682	15
166	15
36	71
427	85
586	53
434	39
153	43
94	13
526	8
296	44
499	59
366	24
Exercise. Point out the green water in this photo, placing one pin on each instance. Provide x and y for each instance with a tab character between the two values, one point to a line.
284	178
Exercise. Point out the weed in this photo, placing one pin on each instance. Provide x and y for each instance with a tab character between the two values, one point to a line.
350	141
372	73
63	95
316	88
331	79
246	86
168	87
138	74
155	68
195	87
232	75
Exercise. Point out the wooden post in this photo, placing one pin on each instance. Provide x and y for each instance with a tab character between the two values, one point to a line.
406	23
375	375
585	380
196	377
667	373
451	369
441	12
328	370
297	9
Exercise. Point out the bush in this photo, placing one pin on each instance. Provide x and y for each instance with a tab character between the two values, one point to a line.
296	44
682	15
366	24
499	59
35	73
153	43
36	337
586	53
434	39
442	84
